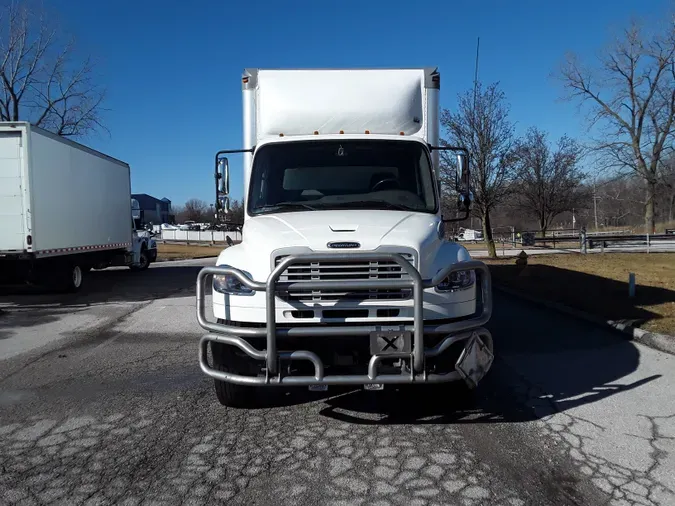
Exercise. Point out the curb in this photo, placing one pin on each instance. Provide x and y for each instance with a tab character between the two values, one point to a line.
660	342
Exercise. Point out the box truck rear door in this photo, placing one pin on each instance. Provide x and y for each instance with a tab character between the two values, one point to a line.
11	204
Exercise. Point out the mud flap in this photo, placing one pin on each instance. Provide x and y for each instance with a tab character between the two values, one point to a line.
373	386
475	361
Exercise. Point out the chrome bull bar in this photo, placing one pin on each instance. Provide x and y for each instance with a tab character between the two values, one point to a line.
233	335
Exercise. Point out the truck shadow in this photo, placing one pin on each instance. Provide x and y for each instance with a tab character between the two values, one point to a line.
601	296
113	285
25	306
545	363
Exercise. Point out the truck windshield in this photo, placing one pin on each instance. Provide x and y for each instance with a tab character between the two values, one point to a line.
337	174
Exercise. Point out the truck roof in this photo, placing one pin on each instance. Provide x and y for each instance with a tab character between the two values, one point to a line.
431	73
4	125
387	101
337	137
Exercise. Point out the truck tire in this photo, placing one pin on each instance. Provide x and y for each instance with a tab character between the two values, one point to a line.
143	261
71	278
226	359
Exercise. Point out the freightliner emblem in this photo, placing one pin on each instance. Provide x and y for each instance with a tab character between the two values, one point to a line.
344	245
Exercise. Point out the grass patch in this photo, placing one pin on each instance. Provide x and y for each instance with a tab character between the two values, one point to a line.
186	251
598	284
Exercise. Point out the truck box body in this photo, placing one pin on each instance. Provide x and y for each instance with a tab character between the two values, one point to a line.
351	102
58	197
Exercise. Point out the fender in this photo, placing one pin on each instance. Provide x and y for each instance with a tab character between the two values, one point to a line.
447	253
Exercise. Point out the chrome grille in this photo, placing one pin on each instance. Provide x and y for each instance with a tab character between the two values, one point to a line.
344	270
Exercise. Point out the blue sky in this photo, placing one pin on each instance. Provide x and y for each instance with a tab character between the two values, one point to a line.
172	68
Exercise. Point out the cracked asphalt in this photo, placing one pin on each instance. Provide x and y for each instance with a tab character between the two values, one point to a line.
102	402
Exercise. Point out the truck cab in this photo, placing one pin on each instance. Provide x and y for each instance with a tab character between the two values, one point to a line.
143	250
344	275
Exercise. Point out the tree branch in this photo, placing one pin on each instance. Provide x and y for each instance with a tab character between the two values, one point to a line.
41	79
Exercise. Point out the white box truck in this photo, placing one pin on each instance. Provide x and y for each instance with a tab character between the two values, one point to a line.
64	209
344	275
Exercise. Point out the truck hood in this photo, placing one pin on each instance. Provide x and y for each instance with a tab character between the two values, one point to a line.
263	235
316	229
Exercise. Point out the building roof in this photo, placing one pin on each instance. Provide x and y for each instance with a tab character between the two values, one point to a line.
144	198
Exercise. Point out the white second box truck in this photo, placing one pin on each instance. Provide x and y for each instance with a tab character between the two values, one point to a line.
344	275
64	209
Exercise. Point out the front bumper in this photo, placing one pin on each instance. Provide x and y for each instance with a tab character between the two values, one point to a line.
467	330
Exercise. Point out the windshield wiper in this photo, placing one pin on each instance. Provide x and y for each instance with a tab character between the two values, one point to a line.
375	203
285	205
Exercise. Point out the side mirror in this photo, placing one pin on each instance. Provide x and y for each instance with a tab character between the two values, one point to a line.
465	201
463	179
223	174
222	186
463	174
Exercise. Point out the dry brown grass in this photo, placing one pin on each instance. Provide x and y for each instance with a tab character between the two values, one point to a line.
598	283
506	246
186	251
482	245
637	229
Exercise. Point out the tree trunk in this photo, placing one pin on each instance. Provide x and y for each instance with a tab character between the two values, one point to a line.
543	223
672	205
650	223
487	233
15	110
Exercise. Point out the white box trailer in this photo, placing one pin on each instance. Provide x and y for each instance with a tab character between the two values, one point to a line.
64	209
344	275
468	234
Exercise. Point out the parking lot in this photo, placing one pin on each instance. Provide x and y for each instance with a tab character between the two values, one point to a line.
102	401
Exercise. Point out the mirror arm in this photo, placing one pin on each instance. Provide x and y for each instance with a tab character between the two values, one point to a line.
449	148
461	149
232	151
224	179
459	218
219	176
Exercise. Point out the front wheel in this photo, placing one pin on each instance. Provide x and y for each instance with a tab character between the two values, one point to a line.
143	262
226	359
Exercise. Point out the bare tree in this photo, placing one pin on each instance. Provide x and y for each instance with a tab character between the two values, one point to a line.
196	210
481	125
236	214
632	99
42	82
667	179
617	200
549	181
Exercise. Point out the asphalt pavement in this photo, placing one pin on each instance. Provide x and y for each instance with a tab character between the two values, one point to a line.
102	402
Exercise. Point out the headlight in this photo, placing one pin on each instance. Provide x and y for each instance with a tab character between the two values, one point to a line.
228	284
457	281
